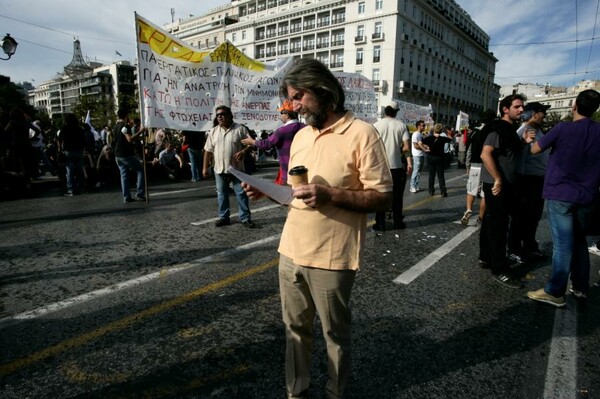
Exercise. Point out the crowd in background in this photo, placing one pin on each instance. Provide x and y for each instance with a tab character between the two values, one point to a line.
31	150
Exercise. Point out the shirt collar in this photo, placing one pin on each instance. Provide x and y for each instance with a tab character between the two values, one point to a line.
338	127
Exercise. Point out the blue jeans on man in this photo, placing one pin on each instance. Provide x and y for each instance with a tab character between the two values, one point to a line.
74	166
418	162
125	164
570	254
195	163
222	181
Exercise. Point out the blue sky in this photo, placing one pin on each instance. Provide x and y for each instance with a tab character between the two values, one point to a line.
535	41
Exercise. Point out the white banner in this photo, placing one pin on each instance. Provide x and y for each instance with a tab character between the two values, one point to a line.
462	121
411	113
180	86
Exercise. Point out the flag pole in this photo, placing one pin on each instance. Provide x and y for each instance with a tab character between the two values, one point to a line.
145	140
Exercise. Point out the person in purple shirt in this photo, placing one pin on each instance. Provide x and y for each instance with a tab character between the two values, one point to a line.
281	139
571	186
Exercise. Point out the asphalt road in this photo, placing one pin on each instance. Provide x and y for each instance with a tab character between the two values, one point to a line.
101	299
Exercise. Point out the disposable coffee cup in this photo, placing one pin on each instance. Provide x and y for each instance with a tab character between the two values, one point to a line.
298	175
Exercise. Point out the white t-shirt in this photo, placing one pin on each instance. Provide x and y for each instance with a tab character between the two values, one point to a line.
416	137
393	132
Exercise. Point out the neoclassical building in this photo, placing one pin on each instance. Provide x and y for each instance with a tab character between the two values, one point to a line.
420	51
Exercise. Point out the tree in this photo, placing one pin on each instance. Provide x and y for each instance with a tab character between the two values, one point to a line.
102	110
11	96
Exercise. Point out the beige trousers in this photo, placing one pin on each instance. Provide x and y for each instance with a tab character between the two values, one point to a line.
306	291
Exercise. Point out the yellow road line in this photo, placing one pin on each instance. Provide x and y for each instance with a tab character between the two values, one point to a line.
125	322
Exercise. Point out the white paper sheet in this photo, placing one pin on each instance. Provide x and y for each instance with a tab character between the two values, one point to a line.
280	194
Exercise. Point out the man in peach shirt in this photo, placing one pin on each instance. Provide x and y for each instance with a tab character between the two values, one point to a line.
322	240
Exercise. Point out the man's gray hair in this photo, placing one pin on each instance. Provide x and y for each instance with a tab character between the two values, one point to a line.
313	76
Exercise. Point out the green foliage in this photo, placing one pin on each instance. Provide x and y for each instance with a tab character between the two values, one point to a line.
10	97
102	111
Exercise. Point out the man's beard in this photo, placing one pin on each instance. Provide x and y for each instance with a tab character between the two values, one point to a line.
315	119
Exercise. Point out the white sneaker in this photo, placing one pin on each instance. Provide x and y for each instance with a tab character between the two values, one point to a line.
413	190
594	249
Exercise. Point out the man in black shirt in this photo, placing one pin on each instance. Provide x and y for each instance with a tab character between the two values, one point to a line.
127	157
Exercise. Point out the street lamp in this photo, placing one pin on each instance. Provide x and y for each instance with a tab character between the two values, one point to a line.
9	46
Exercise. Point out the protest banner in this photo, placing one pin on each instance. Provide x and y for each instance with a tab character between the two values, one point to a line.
462	121
411	113
180	86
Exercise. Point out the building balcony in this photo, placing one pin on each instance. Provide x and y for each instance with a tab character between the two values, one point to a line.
337	43
360	39
338	64
323	45
377	37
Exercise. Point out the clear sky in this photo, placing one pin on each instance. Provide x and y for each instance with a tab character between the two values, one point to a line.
535	41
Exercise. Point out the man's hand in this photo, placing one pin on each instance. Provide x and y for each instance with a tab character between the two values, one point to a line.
205	172
248	141
239	155
312	194
497	187
252	192
409	169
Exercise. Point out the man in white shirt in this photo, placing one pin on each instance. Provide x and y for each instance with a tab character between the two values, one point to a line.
224	146
396	139
418	156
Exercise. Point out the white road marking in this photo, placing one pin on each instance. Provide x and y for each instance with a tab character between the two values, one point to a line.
53	307
561	373
421	267
264	208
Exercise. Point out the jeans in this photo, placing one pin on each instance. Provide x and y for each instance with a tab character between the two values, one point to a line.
132	162
570	254
416	173
74	166
196	163
222	181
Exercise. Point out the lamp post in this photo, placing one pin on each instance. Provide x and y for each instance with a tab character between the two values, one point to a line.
9	46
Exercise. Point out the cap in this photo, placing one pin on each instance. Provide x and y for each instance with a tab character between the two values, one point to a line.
392	104
536	107
286	106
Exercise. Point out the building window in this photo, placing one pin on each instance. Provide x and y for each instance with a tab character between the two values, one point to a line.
234	37
361	7
360	31
376	53
359	56
376	77
378	28
378	4
243	35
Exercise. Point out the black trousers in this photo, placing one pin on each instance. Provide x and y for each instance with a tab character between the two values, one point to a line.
436	164
494	227
399	181
530	206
